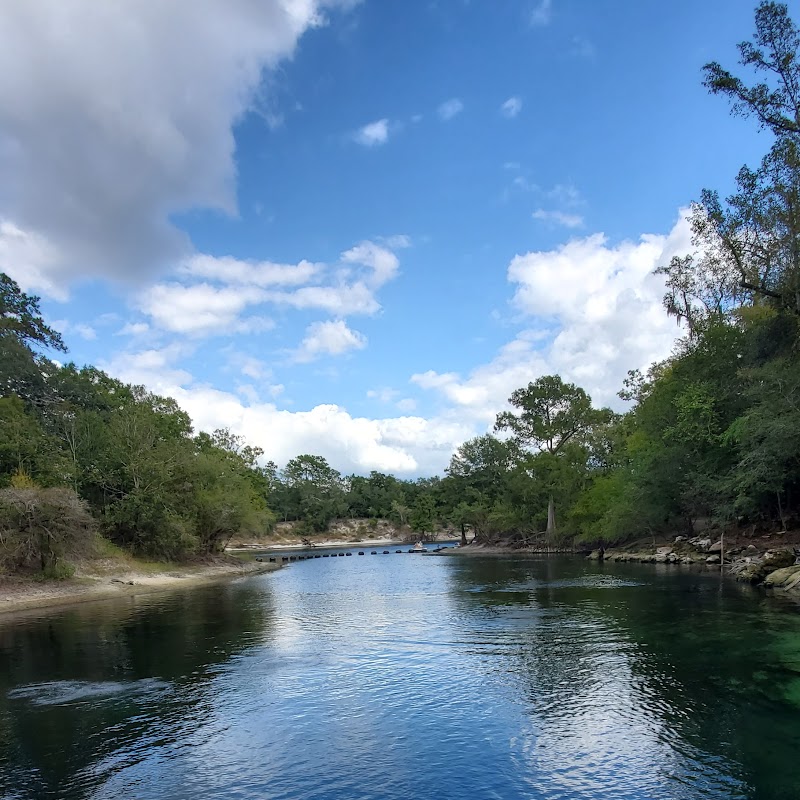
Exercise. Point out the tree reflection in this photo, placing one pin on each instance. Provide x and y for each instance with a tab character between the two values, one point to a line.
80	691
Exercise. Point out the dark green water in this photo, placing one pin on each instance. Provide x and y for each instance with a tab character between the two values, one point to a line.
410	677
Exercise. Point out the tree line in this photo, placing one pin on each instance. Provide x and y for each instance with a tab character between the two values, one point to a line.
711	436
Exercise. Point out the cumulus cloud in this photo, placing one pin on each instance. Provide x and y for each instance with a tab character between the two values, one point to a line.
511	107
30	260
100	144
450	108
591	310
559	218
331	338
230	287
594	312
227	269
203	309
342	300
133	329
383	263
374	133
403	445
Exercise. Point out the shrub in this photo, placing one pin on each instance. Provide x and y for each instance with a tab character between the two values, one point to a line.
40	527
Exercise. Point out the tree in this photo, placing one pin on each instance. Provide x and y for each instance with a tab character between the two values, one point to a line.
551	415
315	491
21	319
423	515
755	235
775	102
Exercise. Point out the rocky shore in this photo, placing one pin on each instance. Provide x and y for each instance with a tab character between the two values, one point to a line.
772	561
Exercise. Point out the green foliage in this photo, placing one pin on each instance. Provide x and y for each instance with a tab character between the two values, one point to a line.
21	319
712	433
423	515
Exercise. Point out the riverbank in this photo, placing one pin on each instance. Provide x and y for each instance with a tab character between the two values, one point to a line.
98	581
264	547
771	560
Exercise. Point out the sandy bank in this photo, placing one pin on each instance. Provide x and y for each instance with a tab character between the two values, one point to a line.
263	547
18	594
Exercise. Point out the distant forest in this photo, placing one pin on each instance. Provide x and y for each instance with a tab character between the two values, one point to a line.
712	434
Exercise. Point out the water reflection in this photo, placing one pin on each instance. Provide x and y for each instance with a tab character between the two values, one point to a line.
398	677
83	693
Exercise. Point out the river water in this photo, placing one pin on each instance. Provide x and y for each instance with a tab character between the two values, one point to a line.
397	676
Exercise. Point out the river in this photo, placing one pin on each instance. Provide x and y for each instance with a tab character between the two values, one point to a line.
398	676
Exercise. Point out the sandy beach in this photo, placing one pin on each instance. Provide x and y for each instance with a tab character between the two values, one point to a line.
18	594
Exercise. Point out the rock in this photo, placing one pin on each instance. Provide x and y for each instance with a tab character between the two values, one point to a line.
702	544
784	579
663	551
687	560
661	558
751	573
595	555
715	548
672	558
751	548
712	560
776	559
679	539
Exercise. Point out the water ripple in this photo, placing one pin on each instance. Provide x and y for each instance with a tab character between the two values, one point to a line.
402	678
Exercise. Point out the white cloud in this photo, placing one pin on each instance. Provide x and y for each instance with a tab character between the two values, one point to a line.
331	338
372	134
592	310
217	305
30	260
596	313
85	331
559	218
133	329
397	242
511	107
342	300
203	309
115	116
252	367
402	445
153	368
227	269
541	13
383	263
450	108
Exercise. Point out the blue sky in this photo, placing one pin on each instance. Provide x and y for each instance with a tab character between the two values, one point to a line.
353	228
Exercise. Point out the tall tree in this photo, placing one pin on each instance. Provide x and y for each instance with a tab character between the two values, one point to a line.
551	415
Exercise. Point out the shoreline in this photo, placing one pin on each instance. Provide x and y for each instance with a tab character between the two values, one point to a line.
25	594
327	544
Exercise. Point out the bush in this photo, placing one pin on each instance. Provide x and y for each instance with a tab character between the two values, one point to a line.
40	527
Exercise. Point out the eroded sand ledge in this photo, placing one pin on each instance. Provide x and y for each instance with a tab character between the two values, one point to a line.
20	594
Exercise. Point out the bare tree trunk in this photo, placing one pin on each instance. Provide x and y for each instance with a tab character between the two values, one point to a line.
551	519
463	535
780	512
